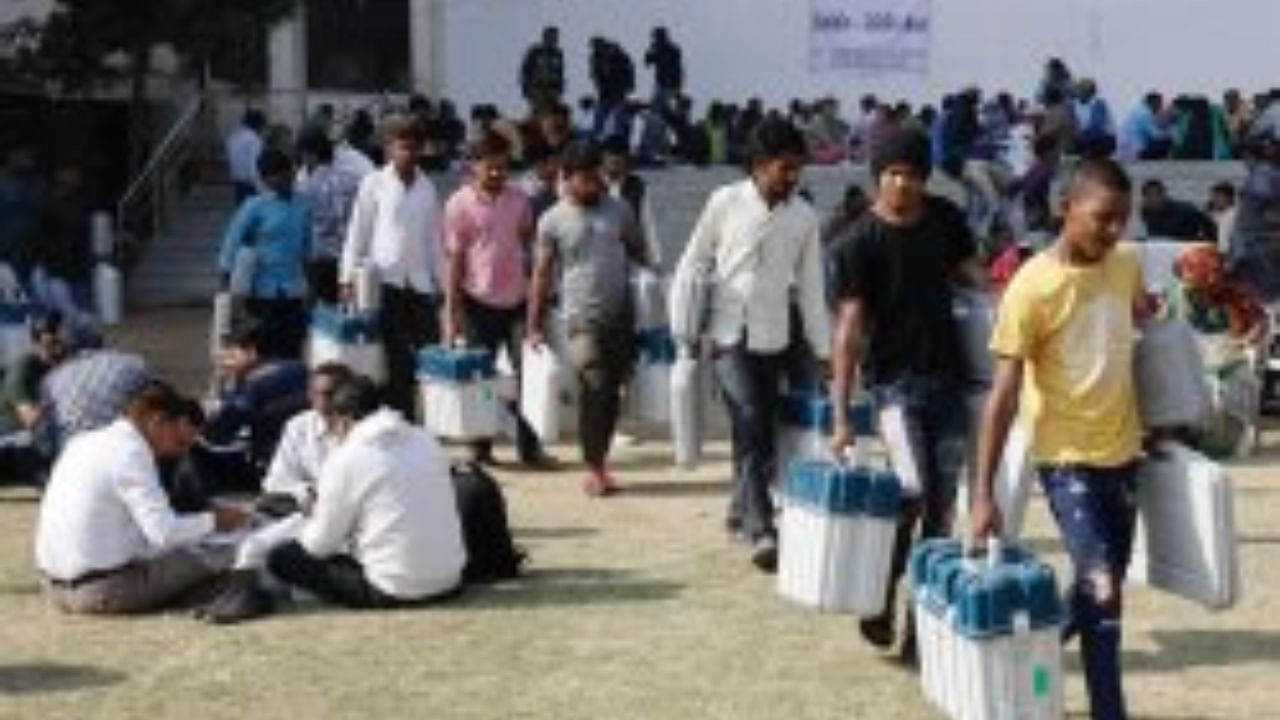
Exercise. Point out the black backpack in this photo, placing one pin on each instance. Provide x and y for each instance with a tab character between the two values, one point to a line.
491	554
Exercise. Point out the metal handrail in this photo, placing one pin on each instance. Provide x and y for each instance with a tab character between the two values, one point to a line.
149	181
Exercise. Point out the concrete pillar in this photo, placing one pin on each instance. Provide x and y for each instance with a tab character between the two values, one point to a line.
426	46
287	70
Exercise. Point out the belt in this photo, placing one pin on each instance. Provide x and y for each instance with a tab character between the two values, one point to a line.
86	578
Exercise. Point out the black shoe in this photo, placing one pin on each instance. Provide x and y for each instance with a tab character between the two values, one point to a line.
486	459
541	461
764	553
879	630
241	598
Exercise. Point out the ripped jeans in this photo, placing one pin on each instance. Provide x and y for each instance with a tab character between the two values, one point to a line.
1095	511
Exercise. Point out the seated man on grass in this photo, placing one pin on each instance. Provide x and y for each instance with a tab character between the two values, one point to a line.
384	531
107	541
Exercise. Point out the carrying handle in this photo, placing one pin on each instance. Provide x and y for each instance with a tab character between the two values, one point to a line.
991	547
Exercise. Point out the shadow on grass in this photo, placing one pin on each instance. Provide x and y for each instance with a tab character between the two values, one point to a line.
19	588
19	498
558	587
676	489
554	533
1180	650
42	678
1258	539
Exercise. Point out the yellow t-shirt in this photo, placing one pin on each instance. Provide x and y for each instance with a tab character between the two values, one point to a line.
1073	327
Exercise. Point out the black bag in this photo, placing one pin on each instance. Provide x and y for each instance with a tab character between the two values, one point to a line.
491	554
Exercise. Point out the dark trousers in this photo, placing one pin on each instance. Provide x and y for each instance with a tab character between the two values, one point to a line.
339	580
23	464
602	361
494	328
323	275
284	321
1096	513
749	382
409	321
935	417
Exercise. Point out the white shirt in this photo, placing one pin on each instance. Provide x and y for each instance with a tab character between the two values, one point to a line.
398	230
387	498
756	256
1226	221
244	145
104	507
304	445
347	159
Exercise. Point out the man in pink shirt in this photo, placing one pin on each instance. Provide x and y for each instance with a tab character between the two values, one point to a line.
488	225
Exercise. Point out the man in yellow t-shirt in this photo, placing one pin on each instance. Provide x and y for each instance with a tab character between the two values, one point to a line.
1066	324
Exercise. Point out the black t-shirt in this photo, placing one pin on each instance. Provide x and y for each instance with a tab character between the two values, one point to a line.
903	276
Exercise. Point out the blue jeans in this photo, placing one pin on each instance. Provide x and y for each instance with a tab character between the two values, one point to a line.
749	382
1096	512
936	423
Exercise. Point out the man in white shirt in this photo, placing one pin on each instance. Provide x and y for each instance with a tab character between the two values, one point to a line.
289	492
385	530
244	145
107	541
758	241
396	228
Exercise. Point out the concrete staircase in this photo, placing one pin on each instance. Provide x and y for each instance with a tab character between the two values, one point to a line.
179	268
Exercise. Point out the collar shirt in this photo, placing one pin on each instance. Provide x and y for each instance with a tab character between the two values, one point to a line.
489	235
304	446
396	228
244	145
328	193
89	391
386	498
278	228
756	257
104	507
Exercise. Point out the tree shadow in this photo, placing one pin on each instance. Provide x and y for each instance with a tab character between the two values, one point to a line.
19	588
20	498
676	489
1180	650
42	678
1258	539
559	587
553	533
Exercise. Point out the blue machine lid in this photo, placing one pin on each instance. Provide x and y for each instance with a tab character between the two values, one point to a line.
812	410
656	346
884	495
456	364
345	326
982	599
828	487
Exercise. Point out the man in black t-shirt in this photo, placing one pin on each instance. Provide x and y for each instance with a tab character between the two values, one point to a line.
892	275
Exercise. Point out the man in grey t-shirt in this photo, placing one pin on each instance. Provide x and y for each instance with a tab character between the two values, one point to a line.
593	239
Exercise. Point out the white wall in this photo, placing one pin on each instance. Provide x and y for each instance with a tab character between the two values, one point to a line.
11	10
739	48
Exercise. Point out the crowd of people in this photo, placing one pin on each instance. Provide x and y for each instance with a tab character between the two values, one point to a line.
354	503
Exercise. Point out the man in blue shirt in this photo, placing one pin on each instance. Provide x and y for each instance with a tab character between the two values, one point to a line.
1095	129
1145	135
259	394
275	226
